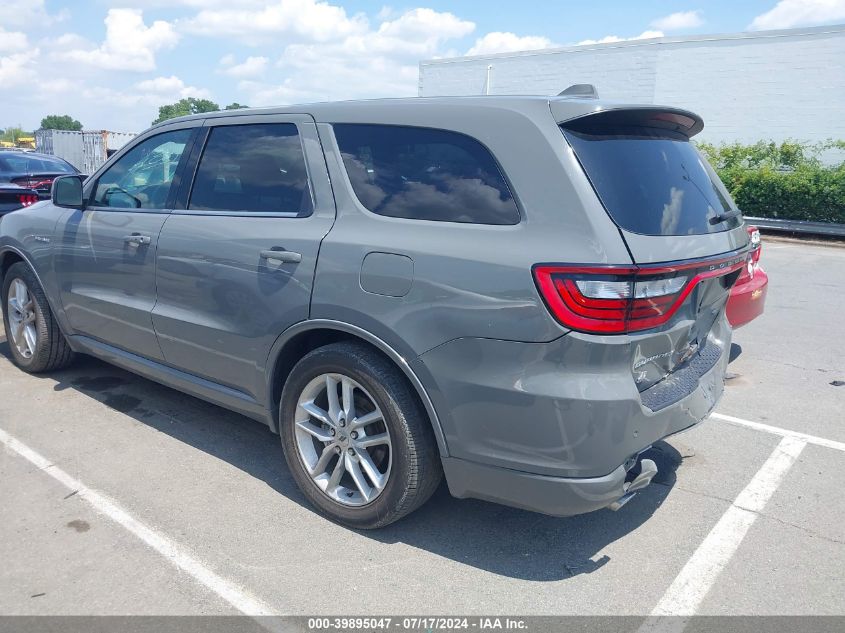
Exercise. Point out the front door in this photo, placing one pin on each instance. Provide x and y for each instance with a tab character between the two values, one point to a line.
105	256
236	263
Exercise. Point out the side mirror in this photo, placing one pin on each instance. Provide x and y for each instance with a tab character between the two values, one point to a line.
67	192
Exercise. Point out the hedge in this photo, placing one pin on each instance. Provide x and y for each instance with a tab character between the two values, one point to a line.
788	180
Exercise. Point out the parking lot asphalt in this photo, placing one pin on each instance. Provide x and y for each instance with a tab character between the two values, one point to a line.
121	496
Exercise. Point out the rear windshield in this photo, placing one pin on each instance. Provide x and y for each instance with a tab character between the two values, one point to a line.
24	164
653	181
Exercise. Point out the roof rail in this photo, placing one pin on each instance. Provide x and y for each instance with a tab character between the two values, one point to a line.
580	91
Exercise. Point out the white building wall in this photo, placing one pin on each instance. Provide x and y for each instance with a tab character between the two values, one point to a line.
747	86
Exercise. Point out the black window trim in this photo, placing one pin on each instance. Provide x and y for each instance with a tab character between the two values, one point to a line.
361	206
184	196
175	184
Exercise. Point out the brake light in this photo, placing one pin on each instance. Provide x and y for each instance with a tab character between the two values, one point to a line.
619	299
40	182
756	244
26	199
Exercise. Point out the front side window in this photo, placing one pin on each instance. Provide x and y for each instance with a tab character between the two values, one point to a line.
424	174
250	168
141	178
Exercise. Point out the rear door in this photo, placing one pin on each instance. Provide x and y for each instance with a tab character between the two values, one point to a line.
680	225
105	254
236	261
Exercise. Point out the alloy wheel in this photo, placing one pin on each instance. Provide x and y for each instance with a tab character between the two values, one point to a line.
22	318
342	439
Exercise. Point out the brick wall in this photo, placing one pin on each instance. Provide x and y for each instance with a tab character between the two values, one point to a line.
747	86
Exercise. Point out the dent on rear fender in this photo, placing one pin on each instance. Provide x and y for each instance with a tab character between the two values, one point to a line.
568	408
418	376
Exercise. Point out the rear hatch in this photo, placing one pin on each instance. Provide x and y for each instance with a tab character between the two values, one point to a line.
684	233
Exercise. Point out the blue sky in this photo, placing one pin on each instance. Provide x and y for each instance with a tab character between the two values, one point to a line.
111	63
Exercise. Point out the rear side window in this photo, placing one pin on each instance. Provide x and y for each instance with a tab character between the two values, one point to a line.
652	181
425	174
254	169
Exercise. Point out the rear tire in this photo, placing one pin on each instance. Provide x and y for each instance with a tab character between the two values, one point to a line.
33	335
362	474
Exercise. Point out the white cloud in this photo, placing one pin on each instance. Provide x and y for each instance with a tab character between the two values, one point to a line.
377	62
791	13
417	33
169	88
250	67
499	42
129	45
12	41
28	13
679	21
193	4
425	25
17	68
307	19
144	96
609	39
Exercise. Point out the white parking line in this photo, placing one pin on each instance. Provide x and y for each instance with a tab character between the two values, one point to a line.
776	430
170	550
686	593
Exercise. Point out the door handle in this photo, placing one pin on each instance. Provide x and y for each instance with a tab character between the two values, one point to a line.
137	239
286	257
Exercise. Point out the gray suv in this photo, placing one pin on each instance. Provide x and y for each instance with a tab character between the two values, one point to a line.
520	293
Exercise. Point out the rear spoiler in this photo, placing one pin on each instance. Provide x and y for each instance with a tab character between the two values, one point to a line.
623	119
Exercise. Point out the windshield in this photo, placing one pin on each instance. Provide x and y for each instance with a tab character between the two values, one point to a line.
653	181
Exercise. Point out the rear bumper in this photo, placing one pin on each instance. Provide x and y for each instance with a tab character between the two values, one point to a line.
747	300
557	496
549	427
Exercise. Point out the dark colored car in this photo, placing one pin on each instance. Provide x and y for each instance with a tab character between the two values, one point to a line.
33	170
520	293
748	296
14	197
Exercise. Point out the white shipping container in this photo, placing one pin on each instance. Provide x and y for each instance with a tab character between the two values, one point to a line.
62	143
86	150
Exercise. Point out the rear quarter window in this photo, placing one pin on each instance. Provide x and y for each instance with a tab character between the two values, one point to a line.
652	181
425	174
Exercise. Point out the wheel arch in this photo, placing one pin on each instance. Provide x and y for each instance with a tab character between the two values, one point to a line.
10	255
305	336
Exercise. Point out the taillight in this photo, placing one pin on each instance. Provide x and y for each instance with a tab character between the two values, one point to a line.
27	199
34	182
756	244
619	299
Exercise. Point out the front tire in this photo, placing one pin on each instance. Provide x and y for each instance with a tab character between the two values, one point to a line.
356	438
33	335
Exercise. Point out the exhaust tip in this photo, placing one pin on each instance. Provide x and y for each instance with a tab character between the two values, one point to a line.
648	469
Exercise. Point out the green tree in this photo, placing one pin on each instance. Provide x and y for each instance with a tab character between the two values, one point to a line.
60	122
235	106
189	105
13	133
